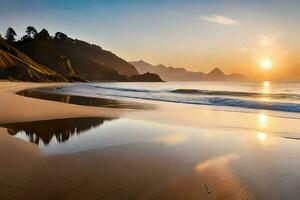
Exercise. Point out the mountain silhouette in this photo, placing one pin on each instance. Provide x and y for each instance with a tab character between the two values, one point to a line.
181	74
167	73
216	72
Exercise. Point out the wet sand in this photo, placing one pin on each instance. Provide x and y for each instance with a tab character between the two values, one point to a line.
50	93
106	173
15	108
171	152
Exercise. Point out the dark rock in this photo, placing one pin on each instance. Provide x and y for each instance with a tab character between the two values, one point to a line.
147	77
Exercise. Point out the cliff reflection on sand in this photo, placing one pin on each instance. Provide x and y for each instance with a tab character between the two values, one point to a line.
62	129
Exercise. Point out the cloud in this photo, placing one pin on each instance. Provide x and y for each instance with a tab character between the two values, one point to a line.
220	20
270	39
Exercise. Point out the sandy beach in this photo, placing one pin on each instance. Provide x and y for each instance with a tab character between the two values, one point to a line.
15	108
161	155
99	174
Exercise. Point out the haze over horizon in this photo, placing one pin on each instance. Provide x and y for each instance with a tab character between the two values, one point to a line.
257	38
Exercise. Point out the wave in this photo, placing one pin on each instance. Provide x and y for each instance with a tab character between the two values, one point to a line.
122	89
231	102
211	92
237	94
202	97
264	105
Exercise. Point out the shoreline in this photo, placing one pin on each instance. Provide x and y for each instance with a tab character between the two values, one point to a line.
50	93
14	108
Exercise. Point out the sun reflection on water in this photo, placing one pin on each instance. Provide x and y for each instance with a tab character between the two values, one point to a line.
265	90
266	83
262	125
261	136
262	120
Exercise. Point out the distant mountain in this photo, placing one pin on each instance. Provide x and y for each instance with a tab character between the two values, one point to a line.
215	73
167	73
181	74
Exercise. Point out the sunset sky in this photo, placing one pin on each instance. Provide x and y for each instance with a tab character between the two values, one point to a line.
237	36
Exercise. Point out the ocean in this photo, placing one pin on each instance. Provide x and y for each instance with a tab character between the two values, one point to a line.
274	96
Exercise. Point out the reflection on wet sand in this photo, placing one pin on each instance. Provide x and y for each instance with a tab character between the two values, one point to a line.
173	139
49	94
210	179
220	180
262	120
137	159
219	161
61	129
261	136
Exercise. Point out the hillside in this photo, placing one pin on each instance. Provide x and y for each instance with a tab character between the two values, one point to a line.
15	65
181	74
71	56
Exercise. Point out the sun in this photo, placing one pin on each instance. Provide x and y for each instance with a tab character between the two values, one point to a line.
266	63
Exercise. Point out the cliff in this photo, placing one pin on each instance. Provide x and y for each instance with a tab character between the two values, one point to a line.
15	65
68	56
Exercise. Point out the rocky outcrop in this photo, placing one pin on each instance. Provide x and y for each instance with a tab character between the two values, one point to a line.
147	77
65	63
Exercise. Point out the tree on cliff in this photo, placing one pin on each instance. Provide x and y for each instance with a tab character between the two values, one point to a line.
60	36
10	34
42	35
31	31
